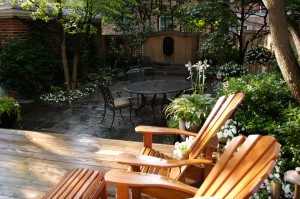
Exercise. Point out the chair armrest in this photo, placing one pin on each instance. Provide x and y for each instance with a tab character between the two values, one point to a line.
139	180
144	160
162	130
148	131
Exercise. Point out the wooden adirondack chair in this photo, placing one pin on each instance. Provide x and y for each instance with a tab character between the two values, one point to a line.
223	109
238	174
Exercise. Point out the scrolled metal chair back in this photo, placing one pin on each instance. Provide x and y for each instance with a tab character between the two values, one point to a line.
107	96
136	75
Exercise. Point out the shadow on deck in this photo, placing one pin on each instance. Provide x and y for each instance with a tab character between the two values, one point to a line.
32	162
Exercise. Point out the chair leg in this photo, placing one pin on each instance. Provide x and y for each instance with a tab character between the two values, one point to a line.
138	99
104	114
112	119
130	116
121	113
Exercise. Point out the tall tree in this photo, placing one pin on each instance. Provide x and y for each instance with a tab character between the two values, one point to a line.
285	57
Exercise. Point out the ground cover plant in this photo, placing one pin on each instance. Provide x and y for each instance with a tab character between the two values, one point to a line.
91	82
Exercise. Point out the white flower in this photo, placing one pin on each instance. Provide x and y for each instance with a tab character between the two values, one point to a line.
182	147
189	66
197	83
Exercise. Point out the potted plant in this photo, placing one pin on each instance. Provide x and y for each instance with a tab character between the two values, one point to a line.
189	111
10	112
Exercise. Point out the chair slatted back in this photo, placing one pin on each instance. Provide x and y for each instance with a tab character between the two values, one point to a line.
241	168
222	111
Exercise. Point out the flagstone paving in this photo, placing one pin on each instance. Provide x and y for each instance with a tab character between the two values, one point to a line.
83	117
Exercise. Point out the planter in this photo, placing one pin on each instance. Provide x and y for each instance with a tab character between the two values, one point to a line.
8	120
193	128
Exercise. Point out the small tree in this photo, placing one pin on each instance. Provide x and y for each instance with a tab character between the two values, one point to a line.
227	17
72	17
134	21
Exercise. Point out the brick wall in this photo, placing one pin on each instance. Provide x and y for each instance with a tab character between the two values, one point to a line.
13	28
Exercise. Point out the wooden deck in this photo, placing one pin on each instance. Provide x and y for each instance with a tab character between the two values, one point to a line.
32	162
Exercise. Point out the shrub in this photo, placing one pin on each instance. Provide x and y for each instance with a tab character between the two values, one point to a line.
26	67
219	47
259	55
269	109
102	75
231	69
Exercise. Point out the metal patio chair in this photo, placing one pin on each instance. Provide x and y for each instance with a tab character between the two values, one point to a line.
114	104
136	75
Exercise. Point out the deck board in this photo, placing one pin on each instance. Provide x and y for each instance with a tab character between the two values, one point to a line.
32	162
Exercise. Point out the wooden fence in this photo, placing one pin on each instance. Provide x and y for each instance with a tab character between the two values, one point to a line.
185	47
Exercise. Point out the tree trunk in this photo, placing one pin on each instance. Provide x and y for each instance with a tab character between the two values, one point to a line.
77	56
64	62
63	49
295	32
282	48
241	55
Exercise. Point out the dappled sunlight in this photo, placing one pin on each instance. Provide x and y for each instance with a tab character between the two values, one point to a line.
32	162
108	152
30	194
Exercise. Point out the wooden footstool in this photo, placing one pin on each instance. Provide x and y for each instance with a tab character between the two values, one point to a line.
79	183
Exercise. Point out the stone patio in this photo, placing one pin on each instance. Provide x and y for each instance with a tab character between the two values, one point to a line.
83	117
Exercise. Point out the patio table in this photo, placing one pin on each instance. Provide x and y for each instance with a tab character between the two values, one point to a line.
157	87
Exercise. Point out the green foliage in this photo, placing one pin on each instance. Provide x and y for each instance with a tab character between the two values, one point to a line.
197	79
10	106
128	21
26	67
73	17
89	55
193	108
259	55
57	95
79	16
220	48
102	75
198	16
289	131
268	109
127	18
293	8
231	69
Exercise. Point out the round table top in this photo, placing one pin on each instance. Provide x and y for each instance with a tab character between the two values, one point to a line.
157	86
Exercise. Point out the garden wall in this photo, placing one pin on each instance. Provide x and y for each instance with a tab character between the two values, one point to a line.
13	28
17	23
185	47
